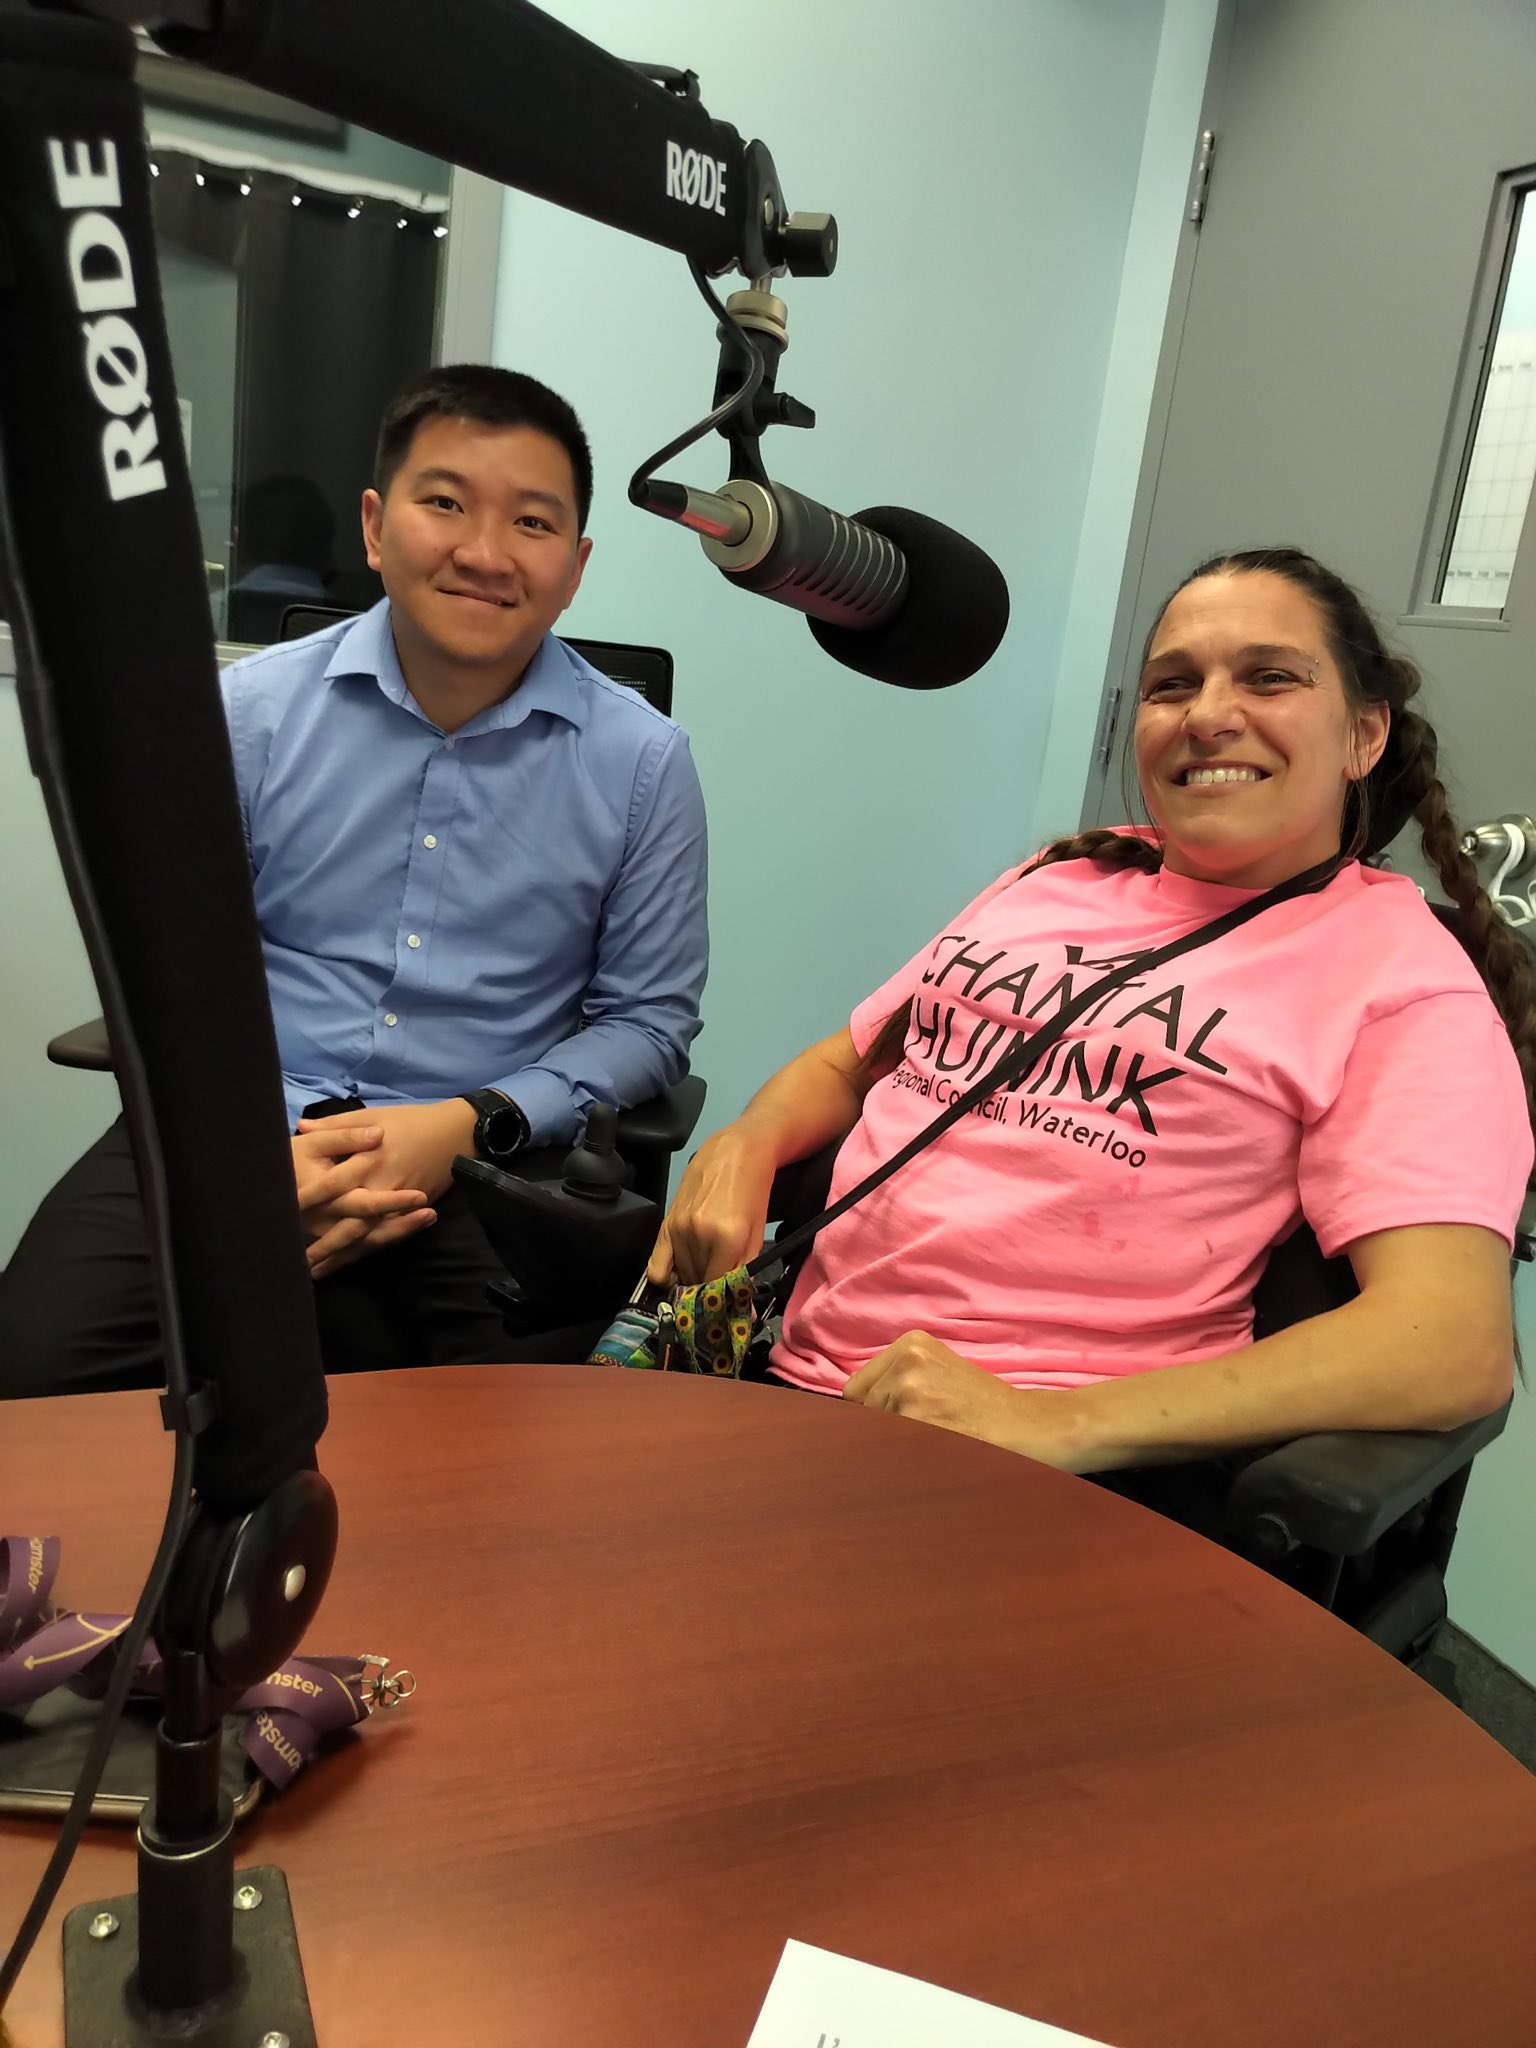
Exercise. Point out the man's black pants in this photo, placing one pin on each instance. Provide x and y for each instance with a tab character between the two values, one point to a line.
77	1307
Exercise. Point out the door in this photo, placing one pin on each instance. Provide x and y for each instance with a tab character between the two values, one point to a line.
1334	313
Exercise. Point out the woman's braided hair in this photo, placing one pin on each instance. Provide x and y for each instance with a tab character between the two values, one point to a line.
1403	785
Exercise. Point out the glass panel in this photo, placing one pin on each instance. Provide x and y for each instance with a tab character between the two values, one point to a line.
300	262
1496	489
301	284
202	319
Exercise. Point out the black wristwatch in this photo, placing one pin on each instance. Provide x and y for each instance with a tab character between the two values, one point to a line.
501	1129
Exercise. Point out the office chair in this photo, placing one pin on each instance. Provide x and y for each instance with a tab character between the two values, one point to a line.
1361	1522
645	669
649	1133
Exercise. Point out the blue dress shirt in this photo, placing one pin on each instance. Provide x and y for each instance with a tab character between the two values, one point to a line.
520	905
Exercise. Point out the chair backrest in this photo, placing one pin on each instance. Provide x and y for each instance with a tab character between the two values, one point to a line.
1298	1282
300	620
646	669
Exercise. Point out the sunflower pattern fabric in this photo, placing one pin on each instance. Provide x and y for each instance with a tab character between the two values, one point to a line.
705	1329
714	1324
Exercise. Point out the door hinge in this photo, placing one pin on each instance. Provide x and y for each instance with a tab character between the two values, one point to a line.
1200	183
1109	719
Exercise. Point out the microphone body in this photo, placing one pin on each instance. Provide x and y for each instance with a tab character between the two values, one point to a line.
888	593
803	554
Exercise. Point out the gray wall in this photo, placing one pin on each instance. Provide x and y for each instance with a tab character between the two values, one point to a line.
1492	1579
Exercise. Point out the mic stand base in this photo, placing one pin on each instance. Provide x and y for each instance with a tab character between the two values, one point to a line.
202	1955
266	2002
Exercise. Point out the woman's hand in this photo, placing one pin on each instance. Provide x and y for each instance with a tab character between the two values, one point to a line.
920	1377
719	1215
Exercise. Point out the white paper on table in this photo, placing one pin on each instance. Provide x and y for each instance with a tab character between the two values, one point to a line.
821	2000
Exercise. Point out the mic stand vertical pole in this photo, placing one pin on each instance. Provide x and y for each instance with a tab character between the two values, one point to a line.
195	1956
186	1852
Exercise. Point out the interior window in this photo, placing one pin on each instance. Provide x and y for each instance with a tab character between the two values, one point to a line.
1499	458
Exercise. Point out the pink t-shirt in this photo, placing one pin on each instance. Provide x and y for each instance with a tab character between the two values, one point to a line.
1337	1059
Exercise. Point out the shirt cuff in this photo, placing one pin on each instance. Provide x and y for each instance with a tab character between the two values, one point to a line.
546	1102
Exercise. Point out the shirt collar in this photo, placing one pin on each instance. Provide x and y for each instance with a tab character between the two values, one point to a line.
367	648
1185	893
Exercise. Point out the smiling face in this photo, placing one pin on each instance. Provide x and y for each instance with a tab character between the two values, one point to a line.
1245	741
478	544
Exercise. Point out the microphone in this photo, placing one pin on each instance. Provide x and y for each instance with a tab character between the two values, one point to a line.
888	593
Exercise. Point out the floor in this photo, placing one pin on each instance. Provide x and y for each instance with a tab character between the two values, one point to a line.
1496	1698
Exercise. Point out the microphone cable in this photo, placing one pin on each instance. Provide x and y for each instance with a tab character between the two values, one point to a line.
126	1658
133	1086
738	401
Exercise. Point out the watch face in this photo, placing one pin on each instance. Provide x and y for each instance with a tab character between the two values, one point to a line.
501	1130
499	1133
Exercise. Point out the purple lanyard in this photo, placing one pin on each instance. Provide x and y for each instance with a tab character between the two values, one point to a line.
43	1647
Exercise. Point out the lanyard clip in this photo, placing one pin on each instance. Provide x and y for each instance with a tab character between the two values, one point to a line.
382	1687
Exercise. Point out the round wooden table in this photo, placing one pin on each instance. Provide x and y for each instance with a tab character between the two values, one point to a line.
705	1666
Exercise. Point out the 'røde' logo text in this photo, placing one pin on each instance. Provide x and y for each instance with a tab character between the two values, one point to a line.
694	179
102	274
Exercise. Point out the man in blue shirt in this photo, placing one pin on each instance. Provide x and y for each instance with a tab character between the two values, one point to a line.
479	871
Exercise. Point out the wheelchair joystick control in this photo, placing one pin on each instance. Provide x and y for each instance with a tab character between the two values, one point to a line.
594	1170
574	1247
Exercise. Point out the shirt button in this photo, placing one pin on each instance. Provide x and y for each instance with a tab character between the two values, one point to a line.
430	840
413	940
390	1017
449	745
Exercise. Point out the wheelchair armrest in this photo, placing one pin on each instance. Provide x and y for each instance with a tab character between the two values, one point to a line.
666	1122
86	1046
1341	1493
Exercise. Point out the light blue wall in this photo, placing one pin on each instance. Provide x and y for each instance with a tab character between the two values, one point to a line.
48	1115
982	160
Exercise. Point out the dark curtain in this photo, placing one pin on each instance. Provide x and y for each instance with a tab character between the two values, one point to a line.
336	306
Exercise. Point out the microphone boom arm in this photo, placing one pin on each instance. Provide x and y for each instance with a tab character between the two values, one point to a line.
562	118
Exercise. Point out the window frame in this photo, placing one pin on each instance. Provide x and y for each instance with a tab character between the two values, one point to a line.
466	281
1474	365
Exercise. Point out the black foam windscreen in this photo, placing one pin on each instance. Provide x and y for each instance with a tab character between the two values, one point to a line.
120	695
952	618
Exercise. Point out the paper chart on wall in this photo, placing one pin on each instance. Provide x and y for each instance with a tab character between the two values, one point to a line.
821	2000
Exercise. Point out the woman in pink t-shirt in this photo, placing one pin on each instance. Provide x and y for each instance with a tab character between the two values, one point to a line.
1068	1270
